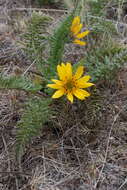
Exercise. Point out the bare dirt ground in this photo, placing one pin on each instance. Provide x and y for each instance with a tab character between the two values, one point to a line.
84	153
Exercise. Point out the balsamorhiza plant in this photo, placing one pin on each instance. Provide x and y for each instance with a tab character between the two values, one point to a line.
38	110
70	84
76	33
68	31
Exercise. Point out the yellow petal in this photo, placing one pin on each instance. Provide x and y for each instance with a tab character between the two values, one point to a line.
84	79
85	93
76	29
61	72
54	86
70	97
83	34
79	42
69	71
84	85
81	94
75	22
63	65
57	82
79	72
58	93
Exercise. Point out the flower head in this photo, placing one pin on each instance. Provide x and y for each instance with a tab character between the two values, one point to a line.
76	31
70	84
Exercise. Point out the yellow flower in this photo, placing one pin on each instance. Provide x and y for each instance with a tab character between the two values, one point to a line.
76	31
70	84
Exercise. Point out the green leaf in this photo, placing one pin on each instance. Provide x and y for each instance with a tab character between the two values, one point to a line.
37	112
18	83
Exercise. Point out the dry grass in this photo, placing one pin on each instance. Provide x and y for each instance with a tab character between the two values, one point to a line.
74	153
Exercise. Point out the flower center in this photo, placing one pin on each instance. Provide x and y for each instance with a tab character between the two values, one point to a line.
70	85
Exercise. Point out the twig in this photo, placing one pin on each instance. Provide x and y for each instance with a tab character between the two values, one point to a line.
14	172
106	20
76	155
29	68
6	150
64	11
123	184
37	9
107	148
116	4
16	183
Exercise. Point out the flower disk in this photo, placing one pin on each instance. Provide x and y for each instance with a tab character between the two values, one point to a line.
75	31
70	84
